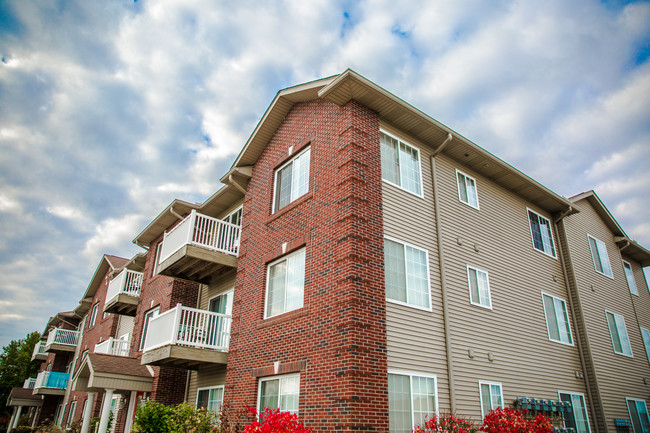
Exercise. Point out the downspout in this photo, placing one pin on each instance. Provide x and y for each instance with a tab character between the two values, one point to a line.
231	180
443	280
173	212
583	363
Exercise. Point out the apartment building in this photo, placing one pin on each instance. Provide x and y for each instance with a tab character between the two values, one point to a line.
365	266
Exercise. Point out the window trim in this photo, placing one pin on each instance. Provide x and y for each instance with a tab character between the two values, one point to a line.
239	208
145	325
275	377
548	331
426	253
646	346
277	170
71	410
532	239
634	289
93	315
627	406
399	140
584	399
611	337
224	293
410	374
480	393
268	281
208	388
593	259
477	207
487	277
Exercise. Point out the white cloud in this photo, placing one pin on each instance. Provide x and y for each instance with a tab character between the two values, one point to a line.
112	233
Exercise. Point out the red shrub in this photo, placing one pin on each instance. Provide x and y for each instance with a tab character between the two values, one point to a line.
511	421
274	421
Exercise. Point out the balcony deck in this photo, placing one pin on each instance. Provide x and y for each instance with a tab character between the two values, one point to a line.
123	293
39	351
62	340
51	383
198	248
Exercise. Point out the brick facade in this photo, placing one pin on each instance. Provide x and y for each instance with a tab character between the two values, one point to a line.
337	340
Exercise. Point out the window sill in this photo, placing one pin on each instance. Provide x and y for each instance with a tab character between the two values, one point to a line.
289	207
281	318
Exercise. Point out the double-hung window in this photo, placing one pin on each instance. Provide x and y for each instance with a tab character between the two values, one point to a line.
291	180
479	287
71	411
541	233
400	164
600	257
577	419
145	327
407	274
285	284
210	398
645	334
491	396
411	398
638	415
467	189
618	333
557	319
629	276
279	392
93	316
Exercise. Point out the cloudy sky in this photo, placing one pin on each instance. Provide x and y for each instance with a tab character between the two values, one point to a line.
109	110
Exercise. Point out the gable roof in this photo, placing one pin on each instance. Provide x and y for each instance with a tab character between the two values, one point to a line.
627	246
349	85
106	263
98	371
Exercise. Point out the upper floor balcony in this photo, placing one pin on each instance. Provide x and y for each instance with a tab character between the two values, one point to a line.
123	293
29	383
62	340
187	338
51	383
198	247
39	351
113	346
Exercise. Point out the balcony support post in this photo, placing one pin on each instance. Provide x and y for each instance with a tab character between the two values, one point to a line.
88	413
106	410
13	419
129	415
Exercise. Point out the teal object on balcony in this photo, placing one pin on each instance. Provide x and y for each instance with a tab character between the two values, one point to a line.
57	380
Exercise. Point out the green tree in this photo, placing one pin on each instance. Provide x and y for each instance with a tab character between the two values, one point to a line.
16	366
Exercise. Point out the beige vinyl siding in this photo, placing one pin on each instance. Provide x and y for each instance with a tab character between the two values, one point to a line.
513	333
211	375
617	376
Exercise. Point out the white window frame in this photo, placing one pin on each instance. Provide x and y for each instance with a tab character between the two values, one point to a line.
629	276
59	415
277	171
71	410
411	375
597	255
426	255
302	250
532	237
228	218
93	315
645	336
260	409
225	293
636	400
467	190
584	401
210	388
152	313
399	162
480	394
568	319
469	286
618	317
154	272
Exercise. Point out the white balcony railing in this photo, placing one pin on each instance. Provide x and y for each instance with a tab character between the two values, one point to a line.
113	346
29	383
39	349
51	379
127	282
204	231
189	327
63	336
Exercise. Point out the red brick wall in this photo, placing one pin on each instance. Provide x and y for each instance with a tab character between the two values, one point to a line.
337	341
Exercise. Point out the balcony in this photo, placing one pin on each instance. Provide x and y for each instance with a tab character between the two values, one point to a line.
62	340
187	338
113	346
39	351
123	293
29	383
51	383
198	247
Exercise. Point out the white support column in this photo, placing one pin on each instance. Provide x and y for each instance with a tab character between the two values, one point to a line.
11	421
87	415
20	409
129	414
37	411
106	410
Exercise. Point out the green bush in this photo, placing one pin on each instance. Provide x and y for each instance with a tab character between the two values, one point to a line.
154	417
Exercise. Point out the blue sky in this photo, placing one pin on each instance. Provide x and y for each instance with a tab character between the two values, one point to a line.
110	110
